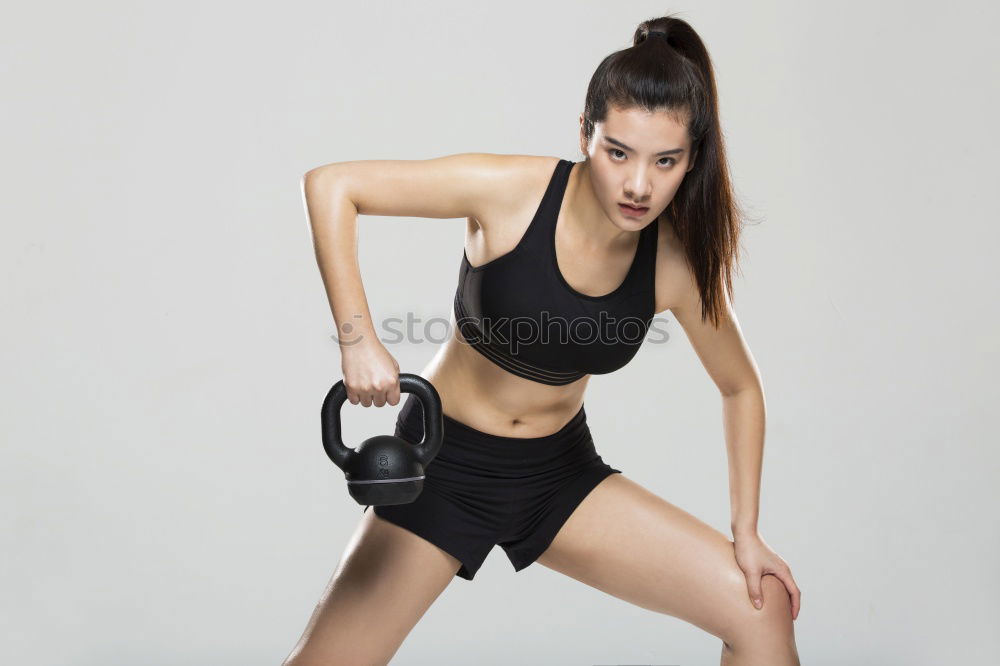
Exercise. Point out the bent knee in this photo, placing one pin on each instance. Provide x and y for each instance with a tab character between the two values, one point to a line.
771	623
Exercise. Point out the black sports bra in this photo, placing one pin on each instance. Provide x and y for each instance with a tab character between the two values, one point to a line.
518	311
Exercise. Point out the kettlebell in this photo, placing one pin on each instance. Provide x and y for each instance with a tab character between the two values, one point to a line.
384	469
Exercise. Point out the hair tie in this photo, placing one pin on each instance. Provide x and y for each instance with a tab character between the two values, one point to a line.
657	32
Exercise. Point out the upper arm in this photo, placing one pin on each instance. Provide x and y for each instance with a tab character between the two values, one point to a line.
453	186
722	351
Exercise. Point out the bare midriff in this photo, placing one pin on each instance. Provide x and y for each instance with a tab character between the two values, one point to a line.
482	395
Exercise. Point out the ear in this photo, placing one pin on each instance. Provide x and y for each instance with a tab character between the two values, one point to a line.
694	156
583	139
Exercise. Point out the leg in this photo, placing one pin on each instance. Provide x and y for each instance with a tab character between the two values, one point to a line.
386	580
626	541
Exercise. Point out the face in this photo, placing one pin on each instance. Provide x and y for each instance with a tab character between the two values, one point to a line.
633	159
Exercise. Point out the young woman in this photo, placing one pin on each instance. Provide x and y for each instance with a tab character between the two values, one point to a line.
556	251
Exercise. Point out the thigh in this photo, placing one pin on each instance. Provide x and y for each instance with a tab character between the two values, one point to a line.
386	580
630	543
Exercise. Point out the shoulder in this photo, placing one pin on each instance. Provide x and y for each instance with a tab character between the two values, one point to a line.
675	281
519	181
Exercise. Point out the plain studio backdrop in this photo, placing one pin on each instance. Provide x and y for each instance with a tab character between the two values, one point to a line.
166	338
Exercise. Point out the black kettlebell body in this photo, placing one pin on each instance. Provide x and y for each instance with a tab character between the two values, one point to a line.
384	469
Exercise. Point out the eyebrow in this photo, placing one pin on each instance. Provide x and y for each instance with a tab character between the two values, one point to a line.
662	152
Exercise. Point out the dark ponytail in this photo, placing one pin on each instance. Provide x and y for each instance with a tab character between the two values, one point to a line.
673	72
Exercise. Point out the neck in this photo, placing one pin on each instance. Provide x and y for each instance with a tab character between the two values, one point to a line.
587	218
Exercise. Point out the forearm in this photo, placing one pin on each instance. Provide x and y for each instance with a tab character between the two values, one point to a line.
743	420
333	220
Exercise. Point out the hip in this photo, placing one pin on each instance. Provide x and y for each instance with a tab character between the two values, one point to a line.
468	453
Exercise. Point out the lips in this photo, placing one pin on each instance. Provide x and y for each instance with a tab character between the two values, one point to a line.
632	210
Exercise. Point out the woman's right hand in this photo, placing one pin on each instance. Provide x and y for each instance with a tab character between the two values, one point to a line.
371	374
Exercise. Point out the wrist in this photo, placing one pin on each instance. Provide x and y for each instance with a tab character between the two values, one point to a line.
740	531
354	337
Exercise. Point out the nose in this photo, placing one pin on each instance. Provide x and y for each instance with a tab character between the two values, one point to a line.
637	187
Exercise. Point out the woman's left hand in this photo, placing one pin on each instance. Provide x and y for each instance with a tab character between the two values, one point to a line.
756	559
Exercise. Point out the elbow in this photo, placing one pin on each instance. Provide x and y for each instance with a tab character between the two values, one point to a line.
323	170
322	177
310	177
741	389
307	182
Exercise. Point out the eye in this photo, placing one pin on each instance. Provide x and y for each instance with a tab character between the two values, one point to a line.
671	161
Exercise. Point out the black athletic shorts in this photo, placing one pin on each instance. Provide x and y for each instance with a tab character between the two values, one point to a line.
483	490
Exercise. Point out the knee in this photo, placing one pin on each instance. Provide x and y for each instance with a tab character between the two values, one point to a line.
770	625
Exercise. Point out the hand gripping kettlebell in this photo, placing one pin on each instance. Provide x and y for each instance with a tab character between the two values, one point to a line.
384	469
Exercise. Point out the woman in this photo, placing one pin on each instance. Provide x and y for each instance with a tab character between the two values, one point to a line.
645	223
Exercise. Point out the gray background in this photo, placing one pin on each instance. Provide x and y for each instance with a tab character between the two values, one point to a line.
166	336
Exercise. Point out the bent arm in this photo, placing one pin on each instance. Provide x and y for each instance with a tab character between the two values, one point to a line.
333	219
454	186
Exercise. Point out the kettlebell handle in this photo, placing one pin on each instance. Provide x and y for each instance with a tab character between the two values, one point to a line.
425	451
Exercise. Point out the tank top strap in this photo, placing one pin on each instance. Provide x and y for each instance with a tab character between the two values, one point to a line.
541	231
652	231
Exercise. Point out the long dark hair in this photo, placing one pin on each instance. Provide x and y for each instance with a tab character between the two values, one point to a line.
674	73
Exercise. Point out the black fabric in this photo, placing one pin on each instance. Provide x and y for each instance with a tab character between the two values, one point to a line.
519	311
484	490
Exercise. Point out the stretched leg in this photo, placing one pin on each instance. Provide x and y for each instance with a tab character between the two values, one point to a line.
626	541
386	580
